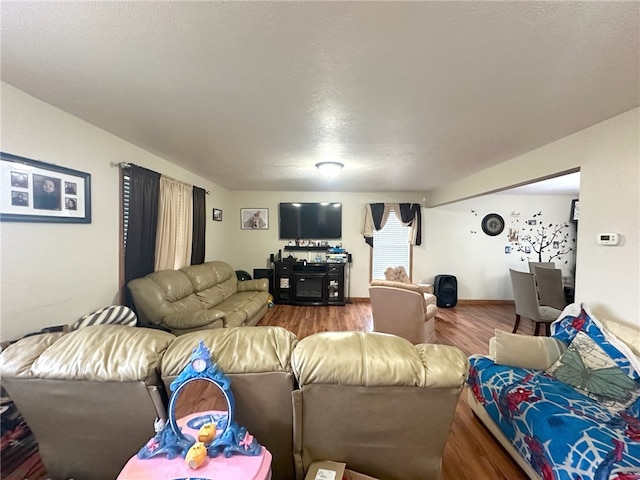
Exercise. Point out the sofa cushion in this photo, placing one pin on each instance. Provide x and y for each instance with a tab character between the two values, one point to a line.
162	293
374	359
103	353
525	351
235	350
212	281
197	319
577	318
17	358
626	333
591	371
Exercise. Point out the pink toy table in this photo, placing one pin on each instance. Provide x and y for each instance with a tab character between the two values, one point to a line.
237	467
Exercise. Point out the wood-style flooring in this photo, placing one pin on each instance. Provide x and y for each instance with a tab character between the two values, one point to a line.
471	452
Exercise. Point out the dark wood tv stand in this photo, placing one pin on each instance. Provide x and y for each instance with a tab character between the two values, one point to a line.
306	283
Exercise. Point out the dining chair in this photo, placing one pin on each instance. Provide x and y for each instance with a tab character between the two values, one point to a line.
526	302
533	265
550	287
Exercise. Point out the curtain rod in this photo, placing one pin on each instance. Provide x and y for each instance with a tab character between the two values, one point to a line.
127	164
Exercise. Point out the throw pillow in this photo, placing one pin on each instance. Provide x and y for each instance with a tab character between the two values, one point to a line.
525	351
588	368
580	319
114	315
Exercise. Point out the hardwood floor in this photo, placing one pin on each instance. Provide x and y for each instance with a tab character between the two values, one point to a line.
471	452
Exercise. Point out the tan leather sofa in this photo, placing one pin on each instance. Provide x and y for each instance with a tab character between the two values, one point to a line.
404	309
371	400
90	397
198	297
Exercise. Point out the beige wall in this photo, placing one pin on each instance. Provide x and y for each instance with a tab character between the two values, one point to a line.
52	274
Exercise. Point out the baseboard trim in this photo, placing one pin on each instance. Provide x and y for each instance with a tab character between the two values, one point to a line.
358	300
485	302
468	301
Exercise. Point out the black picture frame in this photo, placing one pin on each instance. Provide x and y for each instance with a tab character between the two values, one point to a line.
575	210
35	191
217	215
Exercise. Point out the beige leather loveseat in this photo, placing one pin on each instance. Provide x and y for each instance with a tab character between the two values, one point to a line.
373	401
198	297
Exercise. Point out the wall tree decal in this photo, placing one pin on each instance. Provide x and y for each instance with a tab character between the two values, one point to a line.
547	239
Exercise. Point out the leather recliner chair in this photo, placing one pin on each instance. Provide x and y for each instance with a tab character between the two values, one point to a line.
403	309
375	402
90	397
257	360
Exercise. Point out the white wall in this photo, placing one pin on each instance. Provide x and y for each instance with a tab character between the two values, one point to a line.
608	154
478	261
52	274
459	247
252	248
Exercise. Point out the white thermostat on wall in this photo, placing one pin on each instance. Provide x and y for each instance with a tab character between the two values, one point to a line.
608	239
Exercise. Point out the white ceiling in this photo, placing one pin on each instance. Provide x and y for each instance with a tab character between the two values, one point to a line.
408	95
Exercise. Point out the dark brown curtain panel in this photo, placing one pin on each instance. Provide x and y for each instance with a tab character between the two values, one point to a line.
141	228
411	212
199	226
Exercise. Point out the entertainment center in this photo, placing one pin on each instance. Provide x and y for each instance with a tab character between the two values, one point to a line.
302	283
307	282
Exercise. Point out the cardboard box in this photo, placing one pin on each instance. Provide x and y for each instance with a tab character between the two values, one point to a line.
351	475
329	470
325	471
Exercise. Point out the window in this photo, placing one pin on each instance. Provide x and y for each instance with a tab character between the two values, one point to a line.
391	248
126	190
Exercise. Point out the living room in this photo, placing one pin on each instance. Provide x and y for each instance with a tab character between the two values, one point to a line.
462	101
75	268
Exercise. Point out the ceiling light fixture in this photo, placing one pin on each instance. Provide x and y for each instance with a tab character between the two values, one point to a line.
329	169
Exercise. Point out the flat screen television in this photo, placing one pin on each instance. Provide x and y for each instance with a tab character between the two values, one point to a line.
316	221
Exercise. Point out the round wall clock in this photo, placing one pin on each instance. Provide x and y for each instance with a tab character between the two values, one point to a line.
492	224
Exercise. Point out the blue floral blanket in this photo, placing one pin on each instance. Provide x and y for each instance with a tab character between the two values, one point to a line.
564	431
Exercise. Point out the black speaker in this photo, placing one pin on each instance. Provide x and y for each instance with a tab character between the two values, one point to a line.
242	275
445	288
264	273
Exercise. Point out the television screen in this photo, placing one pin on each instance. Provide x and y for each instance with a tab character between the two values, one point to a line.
310	221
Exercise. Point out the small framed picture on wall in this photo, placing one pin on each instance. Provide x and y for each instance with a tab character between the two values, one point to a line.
574	210
217	215
254	218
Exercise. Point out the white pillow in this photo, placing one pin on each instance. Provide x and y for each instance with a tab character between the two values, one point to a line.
525	351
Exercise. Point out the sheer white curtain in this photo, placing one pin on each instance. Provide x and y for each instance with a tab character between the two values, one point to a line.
175	224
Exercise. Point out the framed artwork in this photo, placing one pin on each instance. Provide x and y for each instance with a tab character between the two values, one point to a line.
254	218
34	191
217	215
575	210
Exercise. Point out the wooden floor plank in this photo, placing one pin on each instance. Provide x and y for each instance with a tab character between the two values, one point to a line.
471	452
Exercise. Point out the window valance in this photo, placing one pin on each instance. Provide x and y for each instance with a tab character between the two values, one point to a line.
376	215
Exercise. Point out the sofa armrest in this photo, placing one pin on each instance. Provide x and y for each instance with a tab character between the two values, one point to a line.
201	318
525	351
260	284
